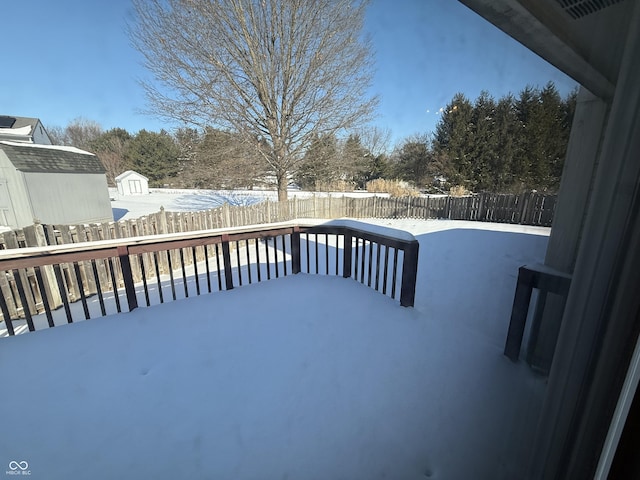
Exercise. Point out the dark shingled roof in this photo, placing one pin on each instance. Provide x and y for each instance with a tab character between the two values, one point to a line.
29	158
22	121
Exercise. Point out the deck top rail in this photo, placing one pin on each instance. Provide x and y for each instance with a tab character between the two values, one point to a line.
106	275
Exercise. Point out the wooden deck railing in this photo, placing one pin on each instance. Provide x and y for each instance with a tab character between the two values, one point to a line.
546	280
48	286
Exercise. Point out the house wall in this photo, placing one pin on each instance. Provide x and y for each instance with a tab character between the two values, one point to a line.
16	206
600	323
40	135
68	198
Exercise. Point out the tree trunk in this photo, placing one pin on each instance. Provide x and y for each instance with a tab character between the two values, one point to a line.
282	188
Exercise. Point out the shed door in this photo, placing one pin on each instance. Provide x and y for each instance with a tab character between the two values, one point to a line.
135	186
7	216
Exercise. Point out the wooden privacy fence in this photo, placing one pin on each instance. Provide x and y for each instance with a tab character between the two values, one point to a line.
525	209
104	277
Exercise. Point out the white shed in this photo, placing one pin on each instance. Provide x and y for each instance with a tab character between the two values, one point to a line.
132	183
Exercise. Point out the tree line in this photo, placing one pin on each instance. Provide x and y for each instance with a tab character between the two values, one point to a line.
510	145
513	144
185	158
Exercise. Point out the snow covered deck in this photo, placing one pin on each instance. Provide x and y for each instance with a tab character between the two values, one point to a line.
304	376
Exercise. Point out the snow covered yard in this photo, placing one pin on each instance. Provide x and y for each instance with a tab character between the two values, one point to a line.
303	377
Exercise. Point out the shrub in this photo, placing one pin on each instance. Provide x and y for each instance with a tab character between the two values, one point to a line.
395	188
459	191
334	186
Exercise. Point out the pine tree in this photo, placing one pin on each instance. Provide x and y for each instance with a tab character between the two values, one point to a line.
514	144
154	155
354	161
227	160
318	166
453	138
483	143
505	128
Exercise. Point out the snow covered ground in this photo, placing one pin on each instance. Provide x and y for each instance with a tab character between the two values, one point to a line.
303	377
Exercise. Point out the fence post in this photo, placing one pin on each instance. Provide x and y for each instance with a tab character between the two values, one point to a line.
409	274
346	257
524	213
36	236
481	209
127	276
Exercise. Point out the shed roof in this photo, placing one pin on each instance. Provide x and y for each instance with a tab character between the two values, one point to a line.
130	172
50	158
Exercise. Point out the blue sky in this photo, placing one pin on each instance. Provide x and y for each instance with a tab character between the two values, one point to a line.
65	59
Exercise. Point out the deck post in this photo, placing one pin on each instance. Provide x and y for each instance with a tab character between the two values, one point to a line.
226	257
127	276
346	259
409	274
295	250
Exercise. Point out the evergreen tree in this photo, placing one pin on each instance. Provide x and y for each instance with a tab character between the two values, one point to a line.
453	138
412	161
483	140
514	144
377	167
228	160
355	161
318	166
154	155
505	127
553	146
527	150
568	111
188	140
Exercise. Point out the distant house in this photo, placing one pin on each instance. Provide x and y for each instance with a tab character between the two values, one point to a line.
23	129
51	184
132	183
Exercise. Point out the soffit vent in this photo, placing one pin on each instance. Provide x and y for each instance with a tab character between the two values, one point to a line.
581	8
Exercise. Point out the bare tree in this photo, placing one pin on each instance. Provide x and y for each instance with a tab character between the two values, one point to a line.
275	71
79	132
110	147
375	139
56	134
224	160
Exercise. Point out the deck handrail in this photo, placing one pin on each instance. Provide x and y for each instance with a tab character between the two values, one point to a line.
38	280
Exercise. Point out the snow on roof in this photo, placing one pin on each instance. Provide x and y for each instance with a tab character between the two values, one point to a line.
22	131
27	157
63	148
130	172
